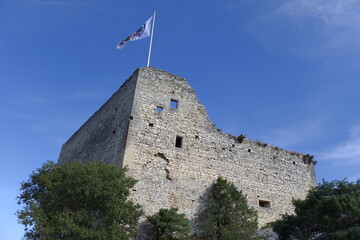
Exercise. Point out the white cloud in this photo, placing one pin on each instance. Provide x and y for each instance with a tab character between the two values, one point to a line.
332	12
347	152
340	18
311	27
295	133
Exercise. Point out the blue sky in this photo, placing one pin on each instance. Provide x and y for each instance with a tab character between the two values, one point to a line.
284	72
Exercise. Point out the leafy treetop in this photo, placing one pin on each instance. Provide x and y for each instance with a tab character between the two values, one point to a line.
77	201
330	211
227	215
167	224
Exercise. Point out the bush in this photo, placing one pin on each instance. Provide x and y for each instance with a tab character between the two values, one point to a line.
167	224
241	138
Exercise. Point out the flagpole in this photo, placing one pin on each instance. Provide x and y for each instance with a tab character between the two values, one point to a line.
151	38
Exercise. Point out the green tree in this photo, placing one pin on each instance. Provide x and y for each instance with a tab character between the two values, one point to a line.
330	211
77	201
226	214
167	224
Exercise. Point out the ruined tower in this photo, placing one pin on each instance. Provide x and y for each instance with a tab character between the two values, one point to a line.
155	125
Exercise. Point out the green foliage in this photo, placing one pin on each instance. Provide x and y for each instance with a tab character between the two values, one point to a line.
308	159
261	144
226	214
76	201
330	211
241	138
168	224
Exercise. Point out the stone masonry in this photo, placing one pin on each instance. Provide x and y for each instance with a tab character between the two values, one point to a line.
155	125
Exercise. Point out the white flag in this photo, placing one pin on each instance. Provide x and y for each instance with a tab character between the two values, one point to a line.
141	33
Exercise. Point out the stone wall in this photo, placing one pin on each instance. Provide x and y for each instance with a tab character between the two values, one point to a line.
103	137
179	177
170	176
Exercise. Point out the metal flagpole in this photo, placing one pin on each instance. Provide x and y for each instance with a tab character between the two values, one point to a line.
151	38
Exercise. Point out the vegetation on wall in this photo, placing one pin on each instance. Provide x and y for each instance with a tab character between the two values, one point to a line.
261	144
241	138
307	158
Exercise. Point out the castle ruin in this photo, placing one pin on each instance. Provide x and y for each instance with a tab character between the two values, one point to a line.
155	125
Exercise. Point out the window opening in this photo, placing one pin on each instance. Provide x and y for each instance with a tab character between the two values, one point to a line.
174	103
264	203
249	150
151	124
159	109
178	142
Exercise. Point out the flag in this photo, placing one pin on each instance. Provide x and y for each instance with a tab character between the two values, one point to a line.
141	33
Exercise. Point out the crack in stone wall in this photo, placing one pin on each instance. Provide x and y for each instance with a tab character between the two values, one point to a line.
161	155
166	167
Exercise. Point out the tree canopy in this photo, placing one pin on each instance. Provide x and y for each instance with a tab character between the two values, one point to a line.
330	211
167	224
77	201
227	215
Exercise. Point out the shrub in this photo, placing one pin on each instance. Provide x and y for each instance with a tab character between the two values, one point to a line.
167	224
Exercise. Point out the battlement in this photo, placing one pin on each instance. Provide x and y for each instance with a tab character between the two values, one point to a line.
155	125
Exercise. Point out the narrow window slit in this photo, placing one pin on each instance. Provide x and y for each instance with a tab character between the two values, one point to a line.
178	142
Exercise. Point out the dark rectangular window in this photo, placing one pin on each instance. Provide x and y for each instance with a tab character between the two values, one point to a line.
174	103
178	142
264	203
159	109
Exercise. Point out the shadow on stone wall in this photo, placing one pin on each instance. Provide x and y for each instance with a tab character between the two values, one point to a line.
142	230
195	223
